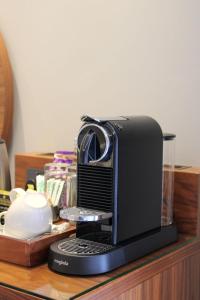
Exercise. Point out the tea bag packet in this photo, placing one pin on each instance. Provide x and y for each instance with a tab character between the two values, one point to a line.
54	180
71	194
40	183
56	187
49	188
59	193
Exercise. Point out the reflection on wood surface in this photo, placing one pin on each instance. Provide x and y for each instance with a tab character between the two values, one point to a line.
6	94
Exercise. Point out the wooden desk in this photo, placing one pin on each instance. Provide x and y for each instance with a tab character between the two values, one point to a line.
171	273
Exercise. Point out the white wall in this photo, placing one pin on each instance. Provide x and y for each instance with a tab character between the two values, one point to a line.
103	57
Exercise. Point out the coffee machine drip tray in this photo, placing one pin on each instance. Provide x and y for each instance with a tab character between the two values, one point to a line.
80	256
81	214
82	246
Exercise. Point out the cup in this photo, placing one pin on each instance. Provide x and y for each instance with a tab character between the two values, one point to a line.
168	179
28	216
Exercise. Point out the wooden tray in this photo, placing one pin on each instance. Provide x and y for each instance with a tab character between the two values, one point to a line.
30	252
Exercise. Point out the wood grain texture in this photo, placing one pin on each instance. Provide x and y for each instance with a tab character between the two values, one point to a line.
180	282
10	294
31	252
164	278
6	94
40	281
187	200
25	161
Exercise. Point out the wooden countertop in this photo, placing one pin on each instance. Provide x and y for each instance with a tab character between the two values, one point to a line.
170	273
41	282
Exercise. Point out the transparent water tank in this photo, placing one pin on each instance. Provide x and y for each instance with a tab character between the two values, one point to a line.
168	179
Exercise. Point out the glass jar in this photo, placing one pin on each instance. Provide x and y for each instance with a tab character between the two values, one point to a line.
60	185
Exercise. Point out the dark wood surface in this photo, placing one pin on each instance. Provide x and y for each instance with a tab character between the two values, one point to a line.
10	294
187	200
29	252
25	161
179	282
157	277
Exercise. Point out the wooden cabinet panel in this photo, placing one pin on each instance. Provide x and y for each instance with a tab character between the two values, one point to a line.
157	278
187	200
10	294
180	282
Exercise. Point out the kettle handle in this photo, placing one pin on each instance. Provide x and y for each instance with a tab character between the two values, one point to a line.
2	214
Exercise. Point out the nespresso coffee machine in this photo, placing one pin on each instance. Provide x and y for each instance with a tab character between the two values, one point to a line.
118	213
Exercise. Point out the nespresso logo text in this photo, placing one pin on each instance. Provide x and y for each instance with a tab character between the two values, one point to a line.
61	262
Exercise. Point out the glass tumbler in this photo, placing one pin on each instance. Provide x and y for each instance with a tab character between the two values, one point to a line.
168	179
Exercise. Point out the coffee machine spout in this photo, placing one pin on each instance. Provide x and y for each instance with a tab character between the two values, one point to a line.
80	214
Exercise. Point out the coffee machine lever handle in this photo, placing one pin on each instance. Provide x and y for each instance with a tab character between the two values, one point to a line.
84	147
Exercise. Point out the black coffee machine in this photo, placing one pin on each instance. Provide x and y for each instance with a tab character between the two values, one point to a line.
118	213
